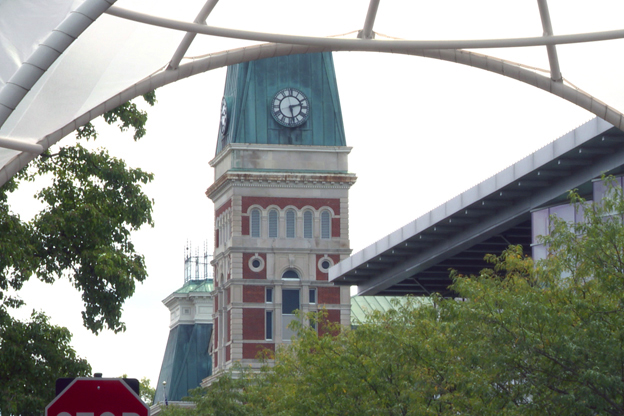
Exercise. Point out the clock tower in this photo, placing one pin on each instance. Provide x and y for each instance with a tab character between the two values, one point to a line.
280	193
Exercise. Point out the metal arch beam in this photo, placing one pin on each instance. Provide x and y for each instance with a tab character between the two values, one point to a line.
445	50
157	80
363	45
555	71
442	50
21	146
367	31
517	72
255	52
235	56
47	53
190	36
33	69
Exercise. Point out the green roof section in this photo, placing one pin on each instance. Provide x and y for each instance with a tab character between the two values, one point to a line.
196	286
362	306
250	88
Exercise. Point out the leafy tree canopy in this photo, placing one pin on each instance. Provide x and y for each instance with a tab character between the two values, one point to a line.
92	203
524	338
33	355
146	391
90	208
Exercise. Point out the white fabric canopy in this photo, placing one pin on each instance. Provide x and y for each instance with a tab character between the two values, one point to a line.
65	62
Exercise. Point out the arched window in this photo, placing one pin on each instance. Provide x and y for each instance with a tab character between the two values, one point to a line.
255	223
308	220
290	223
290	274
273	223
325	224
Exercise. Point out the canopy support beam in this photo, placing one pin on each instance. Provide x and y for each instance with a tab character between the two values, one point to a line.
21	146
553	59
234	56
280	44
48	51
367	31
363	45
190	36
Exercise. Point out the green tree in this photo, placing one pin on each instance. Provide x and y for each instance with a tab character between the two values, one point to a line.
91	204
33	355
83	231
522	338
548	338
147	391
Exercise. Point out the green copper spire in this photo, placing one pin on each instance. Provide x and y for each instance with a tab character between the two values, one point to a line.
307	112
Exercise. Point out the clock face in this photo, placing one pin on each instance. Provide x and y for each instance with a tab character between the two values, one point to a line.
290	107
223	123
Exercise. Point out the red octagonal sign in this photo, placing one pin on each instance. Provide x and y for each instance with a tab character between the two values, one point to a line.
97	397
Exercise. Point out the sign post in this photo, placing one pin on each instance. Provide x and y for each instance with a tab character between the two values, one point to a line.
97	397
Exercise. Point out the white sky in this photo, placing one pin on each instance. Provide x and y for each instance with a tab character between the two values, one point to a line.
422	131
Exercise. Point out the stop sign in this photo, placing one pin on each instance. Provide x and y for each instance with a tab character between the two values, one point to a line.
97	397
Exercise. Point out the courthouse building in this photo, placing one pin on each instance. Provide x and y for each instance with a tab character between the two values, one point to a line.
281	236
281	212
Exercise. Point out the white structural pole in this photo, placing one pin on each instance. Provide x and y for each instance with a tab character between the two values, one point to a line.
255	52
367	31
190	36
280	45
21	146
364	45
231	57
555	71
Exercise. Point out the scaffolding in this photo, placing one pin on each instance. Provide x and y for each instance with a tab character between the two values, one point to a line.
196	266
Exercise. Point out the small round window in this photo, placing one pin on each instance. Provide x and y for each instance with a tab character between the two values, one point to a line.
256	263
325	263
290	274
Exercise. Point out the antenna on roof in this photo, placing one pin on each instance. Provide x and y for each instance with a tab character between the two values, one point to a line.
196	266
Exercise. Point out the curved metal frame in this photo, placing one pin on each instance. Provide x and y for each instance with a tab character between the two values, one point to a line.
33	69
46	53
363	45
280	45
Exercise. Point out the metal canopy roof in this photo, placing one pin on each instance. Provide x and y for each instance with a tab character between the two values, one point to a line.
66	62
485	219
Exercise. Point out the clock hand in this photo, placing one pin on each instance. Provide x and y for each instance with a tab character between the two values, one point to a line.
292	113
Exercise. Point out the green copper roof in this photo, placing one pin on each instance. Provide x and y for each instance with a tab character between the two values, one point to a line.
186	362
362	306
196	286
250	88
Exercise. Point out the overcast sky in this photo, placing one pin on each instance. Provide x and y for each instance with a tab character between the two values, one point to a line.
422	131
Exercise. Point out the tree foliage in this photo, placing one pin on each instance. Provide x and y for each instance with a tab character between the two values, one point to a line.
524	338
33	355
91	204
90	208
146	391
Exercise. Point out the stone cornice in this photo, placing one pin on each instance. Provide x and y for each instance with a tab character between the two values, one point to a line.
300	180
182	296
277	148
